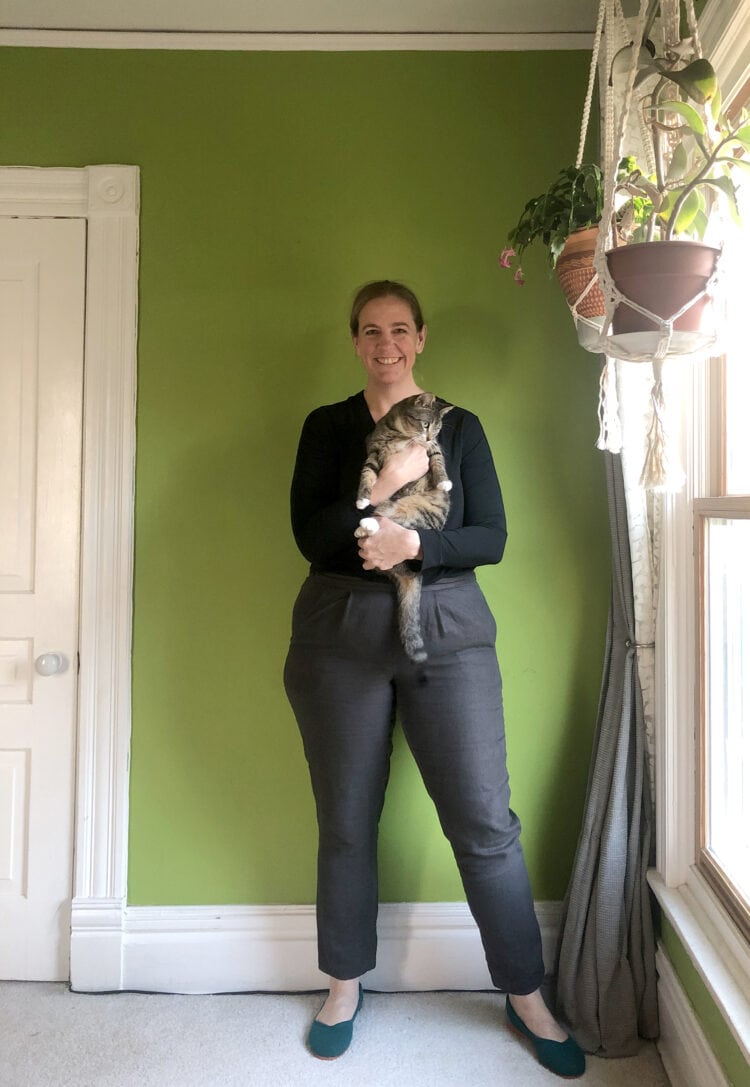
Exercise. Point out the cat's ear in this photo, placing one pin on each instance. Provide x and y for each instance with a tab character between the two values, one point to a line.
446	409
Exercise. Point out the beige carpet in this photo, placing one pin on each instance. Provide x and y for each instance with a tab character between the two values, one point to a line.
50	1037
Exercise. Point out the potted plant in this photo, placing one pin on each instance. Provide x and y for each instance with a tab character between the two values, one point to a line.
565	218
697	150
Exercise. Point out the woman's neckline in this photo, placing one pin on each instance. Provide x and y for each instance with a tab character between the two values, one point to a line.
376	419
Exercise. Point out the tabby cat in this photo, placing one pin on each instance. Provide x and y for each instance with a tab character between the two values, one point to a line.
421	504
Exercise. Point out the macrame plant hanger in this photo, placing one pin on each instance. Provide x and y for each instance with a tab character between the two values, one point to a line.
613	29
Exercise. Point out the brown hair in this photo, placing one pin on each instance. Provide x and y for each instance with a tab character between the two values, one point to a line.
384	288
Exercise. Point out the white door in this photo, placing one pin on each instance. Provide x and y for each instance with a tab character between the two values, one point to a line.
42	282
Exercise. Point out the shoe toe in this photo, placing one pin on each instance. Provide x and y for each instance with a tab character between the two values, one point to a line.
329	1042
565	1059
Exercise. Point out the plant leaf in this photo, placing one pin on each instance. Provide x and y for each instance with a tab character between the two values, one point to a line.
623	60
697	79
743	135
716	105
679	164
690	114
699	225
693	204
727	187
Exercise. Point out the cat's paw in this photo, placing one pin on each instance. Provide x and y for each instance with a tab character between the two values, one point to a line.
445	485
362	503
368	526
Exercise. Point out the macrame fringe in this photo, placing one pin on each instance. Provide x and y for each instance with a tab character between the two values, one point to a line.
659	470
610	432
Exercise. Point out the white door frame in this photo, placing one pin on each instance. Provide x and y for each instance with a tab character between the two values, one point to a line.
108	198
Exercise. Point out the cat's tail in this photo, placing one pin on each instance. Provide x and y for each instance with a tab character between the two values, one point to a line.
409	591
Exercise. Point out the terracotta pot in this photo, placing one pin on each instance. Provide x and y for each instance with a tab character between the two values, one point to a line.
575	268
662	277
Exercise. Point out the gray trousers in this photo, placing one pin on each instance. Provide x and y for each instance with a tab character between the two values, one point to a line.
346	676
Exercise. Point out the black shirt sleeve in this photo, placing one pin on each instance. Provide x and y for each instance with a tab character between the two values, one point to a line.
476	531
324	514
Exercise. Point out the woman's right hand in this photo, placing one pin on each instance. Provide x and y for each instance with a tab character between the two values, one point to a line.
404	467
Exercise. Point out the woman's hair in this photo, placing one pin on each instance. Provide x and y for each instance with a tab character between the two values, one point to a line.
384	288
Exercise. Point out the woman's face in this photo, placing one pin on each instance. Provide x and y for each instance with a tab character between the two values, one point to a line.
387	341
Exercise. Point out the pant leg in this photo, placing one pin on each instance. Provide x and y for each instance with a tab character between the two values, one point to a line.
452	714
341	692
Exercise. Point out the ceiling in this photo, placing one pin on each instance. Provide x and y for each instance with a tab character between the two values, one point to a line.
305	16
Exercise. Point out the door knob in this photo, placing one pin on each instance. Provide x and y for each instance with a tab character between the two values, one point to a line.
49	664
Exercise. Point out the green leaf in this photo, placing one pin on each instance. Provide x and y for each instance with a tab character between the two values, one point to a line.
698	80
743	135
623	60
691	115
716	105
693	204
679	164
726	185
700	225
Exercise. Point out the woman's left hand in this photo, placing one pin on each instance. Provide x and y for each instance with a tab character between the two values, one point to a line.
390	545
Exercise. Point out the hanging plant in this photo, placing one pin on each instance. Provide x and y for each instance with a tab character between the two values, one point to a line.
696	148
574	201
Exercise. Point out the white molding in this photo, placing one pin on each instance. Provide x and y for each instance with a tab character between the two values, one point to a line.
675	653
294	42
27	190
214	949
684	1049
725	36
107	197
107	534
717	951
97	944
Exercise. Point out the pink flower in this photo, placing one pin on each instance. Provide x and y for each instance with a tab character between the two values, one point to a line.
505	258
519	277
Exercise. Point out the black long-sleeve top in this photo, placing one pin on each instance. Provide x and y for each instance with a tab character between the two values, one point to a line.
330	456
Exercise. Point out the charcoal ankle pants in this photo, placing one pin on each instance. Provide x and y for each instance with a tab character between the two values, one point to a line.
346	676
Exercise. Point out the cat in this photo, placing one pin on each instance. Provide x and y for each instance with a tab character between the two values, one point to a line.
423	503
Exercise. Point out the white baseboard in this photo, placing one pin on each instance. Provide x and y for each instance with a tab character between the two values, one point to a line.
684	1049
216	949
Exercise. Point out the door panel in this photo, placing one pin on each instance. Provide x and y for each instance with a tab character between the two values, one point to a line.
42	284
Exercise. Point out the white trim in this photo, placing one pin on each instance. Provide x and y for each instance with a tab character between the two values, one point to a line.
293	42
212	949
675	642
725	37
715	947
107	197
685	1051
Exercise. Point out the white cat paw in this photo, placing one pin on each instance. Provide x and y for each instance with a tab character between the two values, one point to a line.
369	526
446	485
362	503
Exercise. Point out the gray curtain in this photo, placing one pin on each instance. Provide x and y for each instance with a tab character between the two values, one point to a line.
606	977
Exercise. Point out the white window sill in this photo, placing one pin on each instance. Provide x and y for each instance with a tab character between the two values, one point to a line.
717	950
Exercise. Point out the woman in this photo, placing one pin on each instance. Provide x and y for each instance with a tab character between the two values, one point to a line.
346	675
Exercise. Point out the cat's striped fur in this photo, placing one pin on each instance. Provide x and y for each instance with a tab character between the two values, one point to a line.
421	504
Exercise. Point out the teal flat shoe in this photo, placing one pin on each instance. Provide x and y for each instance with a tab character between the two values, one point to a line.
326	1042
565	1059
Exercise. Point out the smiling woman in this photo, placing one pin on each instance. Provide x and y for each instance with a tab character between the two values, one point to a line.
347	674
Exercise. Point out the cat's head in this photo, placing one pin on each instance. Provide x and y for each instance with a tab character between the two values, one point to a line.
420	416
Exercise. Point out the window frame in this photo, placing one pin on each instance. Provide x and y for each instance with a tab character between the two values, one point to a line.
717	948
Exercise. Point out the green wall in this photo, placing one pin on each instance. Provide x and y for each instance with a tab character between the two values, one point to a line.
272	185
